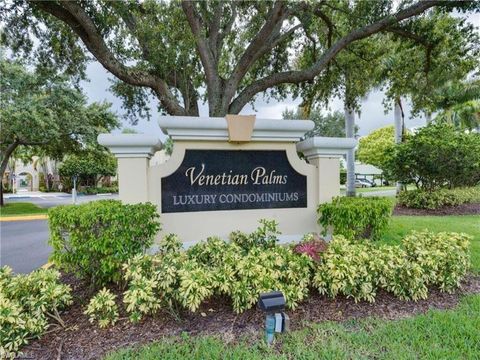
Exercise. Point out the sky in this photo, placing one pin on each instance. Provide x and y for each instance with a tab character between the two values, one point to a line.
372	115
372	112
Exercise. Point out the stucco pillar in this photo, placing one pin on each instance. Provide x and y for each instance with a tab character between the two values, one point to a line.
133	152
328	175
325	154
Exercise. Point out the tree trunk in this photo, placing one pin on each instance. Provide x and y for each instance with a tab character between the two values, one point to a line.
3	166
428	117
398	119
350	133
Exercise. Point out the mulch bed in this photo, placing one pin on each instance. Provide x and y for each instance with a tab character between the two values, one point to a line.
464	209
82	340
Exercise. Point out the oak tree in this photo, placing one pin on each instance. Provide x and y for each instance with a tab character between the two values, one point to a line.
221	52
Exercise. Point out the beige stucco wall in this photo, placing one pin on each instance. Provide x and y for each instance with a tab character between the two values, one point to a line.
140	182
195	226
328	173
133	179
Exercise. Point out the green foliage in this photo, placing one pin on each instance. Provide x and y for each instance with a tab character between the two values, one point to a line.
93	240
376	147
162	46
331	124
444	48
102	308
358	269
153	281
265	236
420	199
141	298
99	190
175	278
27	302
356	217
42	114
244	275
459	103
88	166
437	334
215	267
443	257
437	156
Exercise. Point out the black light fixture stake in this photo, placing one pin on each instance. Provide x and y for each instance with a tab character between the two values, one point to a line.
273	304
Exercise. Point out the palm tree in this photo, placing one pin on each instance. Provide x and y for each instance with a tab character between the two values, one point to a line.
459	104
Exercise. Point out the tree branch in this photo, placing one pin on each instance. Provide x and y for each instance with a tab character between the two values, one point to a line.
206	55
409	35
78	20
258	46
228	26
308	74
214	29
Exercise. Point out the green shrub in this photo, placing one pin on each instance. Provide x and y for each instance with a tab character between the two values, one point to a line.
27	303
240	271
264	236
397	274
356	217
358	269
437	156
347	268
93	240
420	199
174	277
443	257
102	308
153	280
92	190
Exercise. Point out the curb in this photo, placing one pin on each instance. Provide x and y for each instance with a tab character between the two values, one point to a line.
48	265
24	217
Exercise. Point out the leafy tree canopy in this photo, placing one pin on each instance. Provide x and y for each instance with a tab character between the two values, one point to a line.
376	147
331	124
89	164
424	55
459	104
222	52
46	113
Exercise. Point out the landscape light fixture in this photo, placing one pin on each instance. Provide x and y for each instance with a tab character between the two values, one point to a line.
273	304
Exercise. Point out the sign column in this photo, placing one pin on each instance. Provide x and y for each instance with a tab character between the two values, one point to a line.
133	152
325	154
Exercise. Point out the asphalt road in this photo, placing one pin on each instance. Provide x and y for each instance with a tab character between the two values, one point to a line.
24	244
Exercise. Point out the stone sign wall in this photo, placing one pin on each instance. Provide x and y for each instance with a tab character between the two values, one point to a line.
211	186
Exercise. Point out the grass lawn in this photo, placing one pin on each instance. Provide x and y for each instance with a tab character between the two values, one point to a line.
373	189
21	208
438	334
452	334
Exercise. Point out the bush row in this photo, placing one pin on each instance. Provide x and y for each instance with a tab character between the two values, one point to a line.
420	199
27	303
248	265
92	190
358	269
356	217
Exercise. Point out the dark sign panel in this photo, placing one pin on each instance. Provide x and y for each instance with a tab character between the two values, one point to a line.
209	180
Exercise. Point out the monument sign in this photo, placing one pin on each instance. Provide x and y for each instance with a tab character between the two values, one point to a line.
223	176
